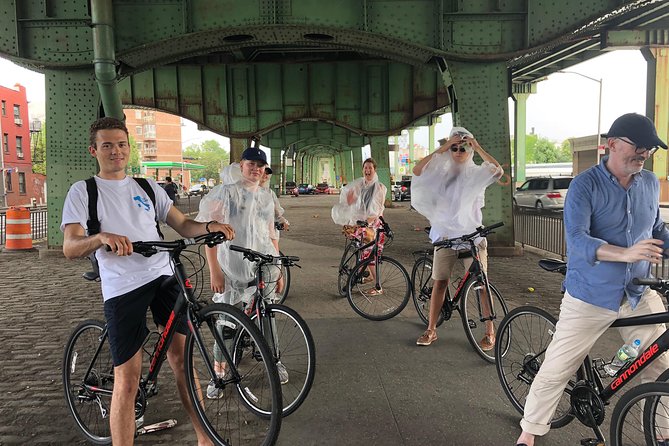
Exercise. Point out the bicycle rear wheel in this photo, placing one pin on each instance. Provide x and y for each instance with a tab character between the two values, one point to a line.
474	314
522	340
221	403
346	265
390	300
88	380
648	403
421	292
291	342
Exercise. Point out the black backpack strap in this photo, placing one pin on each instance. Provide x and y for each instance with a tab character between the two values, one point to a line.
144	184
93	224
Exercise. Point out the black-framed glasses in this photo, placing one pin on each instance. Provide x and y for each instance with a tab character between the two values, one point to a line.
639	150
461	148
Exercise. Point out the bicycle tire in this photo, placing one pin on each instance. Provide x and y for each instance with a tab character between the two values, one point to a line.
346	265
294	346
280	298
421	289
87	407
519	354
394	282
650	396
471	316
226	417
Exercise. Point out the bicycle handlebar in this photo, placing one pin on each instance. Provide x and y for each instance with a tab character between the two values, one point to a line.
255	256
147	249
483	231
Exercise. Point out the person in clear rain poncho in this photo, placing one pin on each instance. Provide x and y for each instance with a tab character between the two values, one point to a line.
448	188
363	200
278	210
249	208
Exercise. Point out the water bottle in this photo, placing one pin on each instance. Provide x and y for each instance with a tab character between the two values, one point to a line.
624	354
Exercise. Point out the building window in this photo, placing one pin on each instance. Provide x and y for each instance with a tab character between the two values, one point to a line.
4	108
8	181
17	111
138	130
22	183
5	142
149	131
138	114
19	147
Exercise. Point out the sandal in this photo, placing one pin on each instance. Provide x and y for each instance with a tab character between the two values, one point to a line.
487	343
373	292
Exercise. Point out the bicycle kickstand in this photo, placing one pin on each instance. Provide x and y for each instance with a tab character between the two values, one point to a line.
156	427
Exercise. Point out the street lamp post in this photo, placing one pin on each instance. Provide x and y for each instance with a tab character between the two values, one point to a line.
599	106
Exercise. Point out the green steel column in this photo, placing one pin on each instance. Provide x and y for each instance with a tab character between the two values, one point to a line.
519	136
412	161
237	147
298	169
396	160
275	164
482	107
348	165
357	162
380	154
290	167
332	168
74	102
430	136
661	118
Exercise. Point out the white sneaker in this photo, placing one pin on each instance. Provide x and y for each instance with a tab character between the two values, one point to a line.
213	392
283	373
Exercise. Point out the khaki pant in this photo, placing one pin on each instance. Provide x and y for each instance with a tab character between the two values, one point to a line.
579	327
444	260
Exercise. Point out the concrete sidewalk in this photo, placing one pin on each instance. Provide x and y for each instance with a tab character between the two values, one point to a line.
373	385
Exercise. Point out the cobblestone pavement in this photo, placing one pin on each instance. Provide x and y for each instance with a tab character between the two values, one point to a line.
43	299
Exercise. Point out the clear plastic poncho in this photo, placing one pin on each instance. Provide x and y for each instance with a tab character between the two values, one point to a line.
451	194
249	209
369	201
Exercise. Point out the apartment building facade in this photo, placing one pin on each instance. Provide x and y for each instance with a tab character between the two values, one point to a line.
19	186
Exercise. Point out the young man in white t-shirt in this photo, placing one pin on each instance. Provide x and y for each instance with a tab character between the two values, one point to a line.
130	284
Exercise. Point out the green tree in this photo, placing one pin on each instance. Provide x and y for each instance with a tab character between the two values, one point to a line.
39	150
211	155
134	163
564	152
542	150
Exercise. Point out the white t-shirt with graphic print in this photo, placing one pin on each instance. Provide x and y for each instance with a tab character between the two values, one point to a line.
125	209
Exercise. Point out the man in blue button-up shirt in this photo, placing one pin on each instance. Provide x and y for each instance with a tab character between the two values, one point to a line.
614	234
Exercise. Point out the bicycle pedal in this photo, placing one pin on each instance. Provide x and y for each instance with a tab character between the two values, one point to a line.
472	324
592	442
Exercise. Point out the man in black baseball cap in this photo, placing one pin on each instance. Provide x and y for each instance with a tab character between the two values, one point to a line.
638	130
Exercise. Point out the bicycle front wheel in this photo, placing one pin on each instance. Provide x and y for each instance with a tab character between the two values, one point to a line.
292	344
280	298
648	403
88	380
476	314
522	340
221	400
421	289
373	303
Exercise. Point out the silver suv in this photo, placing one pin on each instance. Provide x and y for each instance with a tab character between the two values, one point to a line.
542	193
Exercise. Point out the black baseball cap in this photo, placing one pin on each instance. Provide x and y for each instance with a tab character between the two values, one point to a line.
638	129
268	170
254	154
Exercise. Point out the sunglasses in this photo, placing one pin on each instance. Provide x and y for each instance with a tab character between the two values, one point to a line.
639	150
456	148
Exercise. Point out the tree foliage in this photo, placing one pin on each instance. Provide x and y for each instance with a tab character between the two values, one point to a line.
211	155
39	150
542	150
134	163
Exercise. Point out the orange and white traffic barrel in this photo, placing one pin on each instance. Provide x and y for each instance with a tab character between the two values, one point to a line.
19	235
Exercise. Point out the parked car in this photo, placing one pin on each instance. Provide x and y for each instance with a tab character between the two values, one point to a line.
403	191
542	193
290	185
181	192
305	189
198	189
322	188
393	189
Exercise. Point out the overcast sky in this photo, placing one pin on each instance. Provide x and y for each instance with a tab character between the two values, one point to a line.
565	104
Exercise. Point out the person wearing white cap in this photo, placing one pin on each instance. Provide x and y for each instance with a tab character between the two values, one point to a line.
614	234
448	189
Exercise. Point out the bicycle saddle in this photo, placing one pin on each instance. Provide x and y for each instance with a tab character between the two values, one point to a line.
553	265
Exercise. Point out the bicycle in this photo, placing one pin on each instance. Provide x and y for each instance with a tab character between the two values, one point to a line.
250	381
467	298
280	298
287	334
526	333
378	286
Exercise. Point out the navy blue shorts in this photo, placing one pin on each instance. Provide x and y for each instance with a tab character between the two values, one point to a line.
126	316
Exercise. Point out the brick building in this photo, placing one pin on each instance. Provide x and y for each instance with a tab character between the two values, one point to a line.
158	136
19	186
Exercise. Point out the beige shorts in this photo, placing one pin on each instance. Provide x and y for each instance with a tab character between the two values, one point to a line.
445	259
